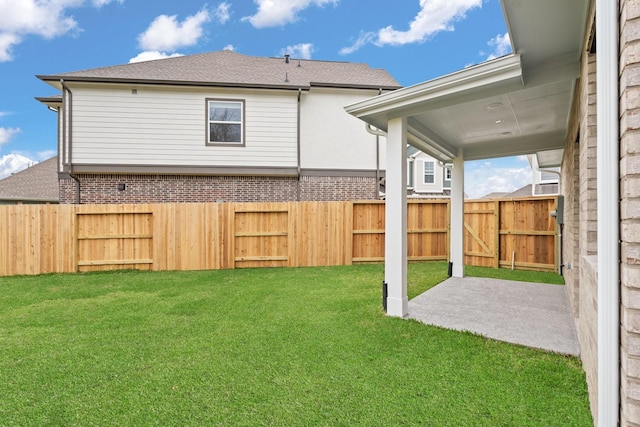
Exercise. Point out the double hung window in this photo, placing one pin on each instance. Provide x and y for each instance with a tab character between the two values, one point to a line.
225	122
429	173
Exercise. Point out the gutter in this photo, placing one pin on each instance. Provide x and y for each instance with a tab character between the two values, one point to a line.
608	190
65	144
67	131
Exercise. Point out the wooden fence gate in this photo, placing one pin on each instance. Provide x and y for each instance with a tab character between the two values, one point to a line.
114	240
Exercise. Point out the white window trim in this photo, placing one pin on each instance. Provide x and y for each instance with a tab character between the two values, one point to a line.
241	103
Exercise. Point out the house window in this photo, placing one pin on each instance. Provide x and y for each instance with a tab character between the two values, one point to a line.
410	173
447	174
225	122
549	176
429	172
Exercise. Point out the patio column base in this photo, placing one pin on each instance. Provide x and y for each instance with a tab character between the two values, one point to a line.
457	271
397	307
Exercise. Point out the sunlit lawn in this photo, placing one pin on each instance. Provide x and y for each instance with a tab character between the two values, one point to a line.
276	347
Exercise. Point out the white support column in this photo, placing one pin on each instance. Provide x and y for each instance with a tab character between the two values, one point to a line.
608	181
456	245
395	245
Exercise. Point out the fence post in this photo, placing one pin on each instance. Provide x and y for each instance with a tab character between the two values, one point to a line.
496	234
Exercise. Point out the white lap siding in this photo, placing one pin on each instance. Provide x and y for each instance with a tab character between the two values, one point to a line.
167	126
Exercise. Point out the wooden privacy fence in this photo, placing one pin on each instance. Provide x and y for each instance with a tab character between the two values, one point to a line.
37	239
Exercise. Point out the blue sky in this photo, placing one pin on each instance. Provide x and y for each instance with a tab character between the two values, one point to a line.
414	40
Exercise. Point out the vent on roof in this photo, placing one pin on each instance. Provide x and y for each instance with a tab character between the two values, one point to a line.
286	58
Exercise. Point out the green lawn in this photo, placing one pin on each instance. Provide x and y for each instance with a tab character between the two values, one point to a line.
271	347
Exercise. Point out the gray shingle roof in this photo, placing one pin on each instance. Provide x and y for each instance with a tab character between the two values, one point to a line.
36	183
227	68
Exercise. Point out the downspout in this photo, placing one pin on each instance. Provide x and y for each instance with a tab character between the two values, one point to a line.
298	150
608	189
378	133
557	216
67	134
377	188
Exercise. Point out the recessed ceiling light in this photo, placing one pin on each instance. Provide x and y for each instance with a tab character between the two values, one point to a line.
494	105
499	121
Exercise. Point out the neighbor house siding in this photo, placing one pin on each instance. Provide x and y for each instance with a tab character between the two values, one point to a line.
332	139
419	186
145	125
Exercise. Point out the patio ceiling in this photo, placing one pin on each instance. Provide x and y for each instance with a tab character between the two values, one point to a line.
512	105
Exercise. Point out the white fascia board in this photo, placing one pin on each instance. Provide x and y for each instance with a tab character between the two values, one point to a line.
550	158
402	102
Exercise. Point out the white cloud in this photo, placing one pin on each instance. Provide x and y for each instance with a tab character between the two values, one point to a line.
7	41
44	18
482	178
434	16
222	13
272	13
230	47
167	34
500	44
7	133
151	55
365	38
100	3
46	154
301	50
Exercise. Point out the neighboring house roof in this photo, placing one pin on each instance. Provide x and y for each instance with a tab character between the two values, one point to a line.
495	195
227	68
525	191
37	183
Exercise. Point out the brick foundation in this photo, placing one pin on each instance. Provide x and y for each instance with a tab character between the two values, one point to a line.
103	188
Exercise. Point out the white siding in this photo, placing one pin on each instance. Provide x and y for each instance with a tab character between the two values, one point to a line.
333	139
418	170
167	126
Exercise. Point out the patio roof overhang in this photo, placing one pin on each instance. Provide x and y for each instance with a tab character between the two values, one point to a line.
517	104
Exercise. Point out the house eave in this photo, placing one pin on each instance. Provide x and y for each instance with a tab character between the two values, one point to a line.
54	80
506	70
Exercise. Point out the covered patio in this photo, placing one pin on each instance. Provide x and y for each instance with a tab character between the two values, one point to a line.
521	103
530	314
513	105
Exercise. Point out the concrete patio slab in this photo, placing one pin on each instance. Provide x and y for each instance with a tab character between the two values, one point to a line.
530	314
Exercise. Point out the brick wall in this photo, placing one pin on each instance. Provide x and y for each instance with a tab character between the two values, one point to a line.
104	188
630	211
579	188
588	229
319	188
571	228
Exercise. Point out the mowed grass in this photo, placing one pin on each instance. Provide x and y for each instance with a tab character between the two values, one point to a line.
266	347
